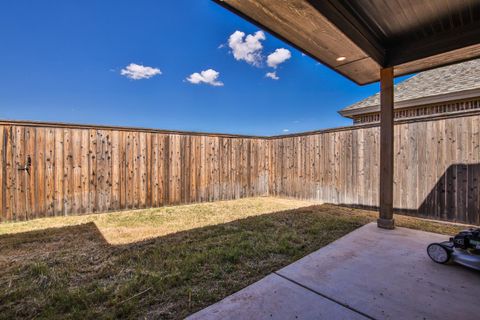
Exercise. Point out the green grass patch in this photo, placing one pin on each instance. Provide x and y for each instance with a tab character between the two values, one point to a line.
192	256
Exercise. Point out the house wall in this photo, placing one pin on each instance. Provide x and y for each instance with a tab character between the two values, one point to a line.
422	111
90	169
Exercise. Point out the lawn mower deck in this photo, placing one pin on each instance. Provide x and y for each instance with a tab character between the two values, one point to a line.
463	248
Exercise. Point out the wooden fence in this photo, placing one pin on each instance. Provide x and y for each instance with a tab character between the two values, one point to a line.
437	167
82	169
79	169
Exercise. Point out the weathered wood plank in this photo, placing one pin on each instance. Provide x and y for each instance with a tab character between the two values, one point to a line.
92	171
142	167
474	172
104	167
30	151
154	171
122	169
20	175
84	171
115	170
149	172
10	168
68	185
59	174
451	171
76	154
3	212
49	172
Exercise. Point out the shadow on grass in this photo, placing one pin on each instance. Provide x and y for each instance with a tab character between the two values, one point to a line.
72	272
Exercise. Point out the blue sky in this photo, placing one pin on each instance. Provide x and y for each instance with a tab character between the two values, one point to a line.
62	61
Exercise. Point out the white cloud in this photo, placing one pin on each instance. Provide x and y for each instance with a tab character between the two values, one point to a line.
286	130
272	75
209	76
136	72
247	48
278	57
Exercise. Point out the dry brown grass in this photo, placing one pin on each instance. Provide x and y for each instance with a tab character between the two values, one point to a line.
162	263
136	225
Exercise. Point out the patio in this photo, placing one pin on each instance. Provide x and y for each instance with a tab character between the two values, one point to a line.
370	273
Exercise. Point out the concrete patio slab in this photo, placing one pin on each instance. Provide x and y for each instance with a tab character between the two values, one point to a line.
369	273
274	297
388	275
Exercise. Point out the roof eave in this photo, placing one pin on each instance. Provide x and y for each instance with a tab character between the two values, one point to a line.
329	29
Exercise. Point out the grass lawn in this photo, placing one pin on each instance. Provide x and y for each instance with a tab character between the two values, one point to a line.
162	263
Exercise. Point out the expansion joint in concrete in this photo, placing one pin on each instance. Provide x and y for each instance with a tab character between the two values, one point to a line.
325	296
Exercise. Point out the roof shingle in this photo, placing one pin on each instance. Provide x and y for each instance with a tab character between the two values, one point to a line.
449	79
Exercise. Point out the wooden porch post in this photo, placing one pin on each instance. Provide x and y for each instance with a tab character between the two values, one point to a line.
386	149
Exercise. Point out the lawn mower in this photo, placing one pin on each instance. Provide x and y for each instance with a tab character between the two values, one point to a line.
464	249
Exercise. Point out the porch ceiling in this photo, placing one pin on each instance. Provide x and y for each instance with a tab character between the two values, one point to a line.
371	34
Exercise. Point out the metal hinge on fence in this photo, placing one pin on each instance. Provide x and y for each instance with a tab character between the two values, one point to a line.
27	165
